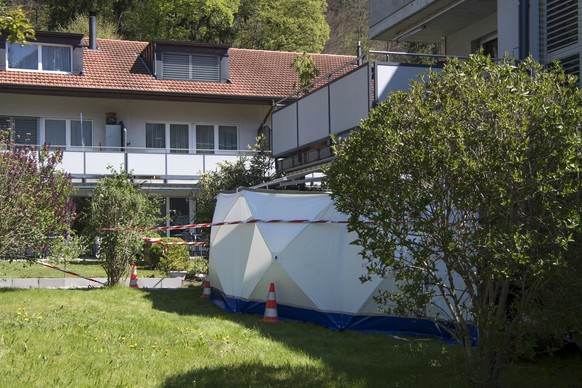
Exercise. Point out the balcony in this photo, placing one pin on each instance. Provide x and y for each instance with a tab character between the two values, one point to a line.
302	130
153	165
424	20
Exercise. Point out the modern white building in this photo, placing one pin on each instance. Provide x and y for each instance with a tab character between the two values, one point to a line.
547	29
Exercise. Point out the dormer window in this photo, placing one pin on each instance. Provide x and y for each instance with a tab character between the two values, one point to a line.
187	61
50	52
40	57
191	67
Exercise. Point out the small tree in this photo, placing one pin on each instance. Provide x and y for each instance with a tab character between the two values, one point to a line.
467	189
244	172
118	202
305	67
35	199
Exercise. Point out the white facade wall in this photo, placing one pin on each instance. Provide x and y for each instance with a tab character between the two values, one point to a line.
508	27
136	113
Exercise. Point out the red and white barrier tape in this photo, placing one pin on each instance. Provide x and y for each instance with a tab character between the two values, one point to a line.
159	241
69	272
224	223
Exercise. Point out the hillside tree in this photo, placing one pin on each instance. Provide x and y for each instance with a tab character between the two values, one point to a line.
208	21
291	25
466	191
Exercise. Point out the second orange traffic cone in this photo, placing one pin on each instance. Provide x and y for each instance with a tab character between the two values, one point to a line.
271	314
133	279
206	289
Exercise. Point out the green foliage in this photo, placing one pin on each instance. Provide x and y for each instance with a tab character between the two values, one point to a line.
70	248
118	202
174	257
194	20
468	187
291	25
14	22
244	172
199	265
157	250
35	199
105	28
305	67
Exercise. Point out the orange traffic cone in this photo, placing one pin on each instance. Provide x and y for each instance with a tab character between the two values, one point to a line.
271	314
133	278
206	289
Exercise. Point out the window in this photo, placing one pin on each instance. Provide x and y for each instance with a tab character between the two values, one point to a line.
155	135
227	138
60	133
179	138
81	136
210	138
23	130
55	133
191	67
562	23
37	57
205	139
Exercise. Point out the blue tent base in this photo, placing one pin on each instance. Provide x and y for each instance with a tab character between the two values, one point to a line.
338	321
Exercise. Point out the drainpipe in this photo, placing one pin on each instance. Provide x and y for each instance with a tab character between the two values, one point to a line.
523	29
92	30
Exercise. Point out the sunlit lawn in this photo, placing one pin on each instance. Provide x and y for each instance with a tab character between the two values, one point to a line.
88	268
137	338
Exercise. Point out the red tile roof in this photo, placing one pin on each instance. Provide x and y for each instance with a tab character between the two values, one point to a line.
116	68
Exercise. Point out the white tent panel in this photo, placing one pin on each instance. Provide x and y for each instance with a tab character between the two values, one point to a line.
287	207
229	256
259	261
287	290
233	208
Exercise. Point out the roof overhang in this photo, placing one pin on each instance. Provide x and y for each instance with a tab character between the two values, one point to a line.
425	20
136	94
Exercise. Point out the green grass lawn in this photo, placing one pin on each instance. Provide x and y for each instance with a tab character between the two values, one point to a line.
129	337
89	268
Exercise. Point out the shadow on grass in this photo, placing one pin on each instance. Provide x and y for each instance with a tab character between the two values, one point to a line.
253	374
346	358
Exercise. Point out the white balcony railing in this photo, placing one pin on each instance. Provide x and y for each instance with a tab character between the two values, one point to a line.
92	162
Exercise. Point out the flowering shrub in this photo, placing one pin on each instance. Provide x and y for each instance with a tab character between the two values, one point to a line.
35	199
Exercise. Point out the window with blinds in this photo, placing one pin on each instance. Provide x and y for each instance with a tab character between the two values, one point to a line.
562	29
562	24
191	67
23	130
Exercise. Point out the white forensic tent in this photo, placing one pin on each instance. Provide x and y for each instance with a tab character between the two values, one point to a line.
314	267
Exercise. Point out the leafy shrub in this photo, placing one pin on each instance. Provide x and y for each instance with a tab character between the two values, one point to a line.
158	250
199	265
68	249
169	257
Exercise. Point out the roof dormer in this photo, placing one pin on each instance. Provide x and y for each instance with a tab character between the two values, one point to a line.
187	61
49	52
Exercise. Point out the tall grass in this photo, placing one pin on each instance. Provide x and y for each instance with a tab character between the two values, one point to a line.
128	337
